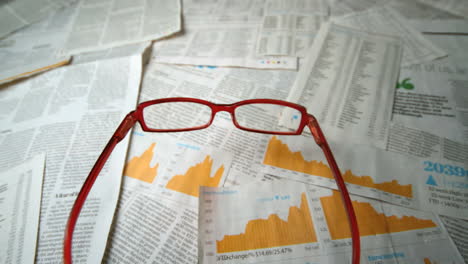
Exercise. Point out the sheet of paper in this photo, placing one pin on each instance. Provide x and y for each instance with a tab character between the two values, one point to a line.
70	113
289	35
223	33
422	183
458	230
344	7
35	48
386	20
20	205
223	11
425	144
106	24
428	19
458	7
19	13
289	27
434	97
218	45
283	222
347	82
162	179
220	85
27	54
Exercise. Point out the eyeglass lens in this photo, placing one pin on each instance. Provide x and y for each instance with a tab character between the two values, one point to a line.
257	116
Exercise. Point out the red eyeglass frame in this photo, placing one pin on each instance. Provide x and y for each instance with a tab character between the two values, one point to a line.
137	116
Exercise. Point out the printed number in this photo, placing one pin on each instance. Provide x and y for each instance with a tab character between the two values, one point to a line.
445	169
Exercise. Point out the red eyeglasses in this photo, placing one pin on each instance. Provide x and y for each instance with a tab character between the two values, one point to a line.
255	115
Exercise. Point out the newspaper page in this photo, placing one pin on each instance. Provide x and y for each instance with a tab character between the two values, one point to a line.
386	20
35	48
218	45
426	184
289	27
106	24
344	7
289	34
433	97
220	85
19	13
347	82
70	114
284	222
428	19
457	7
162	179
20	203
458	230
223	33
425	144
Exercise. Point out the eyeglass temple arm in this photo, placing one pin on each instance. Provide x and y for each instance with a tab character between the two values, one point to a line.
322	142
119	134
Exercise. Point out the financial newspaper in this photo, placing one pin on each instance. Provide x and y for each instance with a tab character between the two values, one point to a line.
20	205
344	7
235	147
288	35
36	48
289	27
107	24
346	83
161	185
220	34
458	7
71	112
427	184
17	14
386	20
457	228
421	103
281	222
429	19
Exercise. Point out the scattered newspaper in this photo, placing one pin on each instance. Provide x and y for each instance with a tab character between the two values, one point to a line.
434	185
17	14
20	205
347	81
284	222
220	85
457	7
386	20
71	113
106	24
434	97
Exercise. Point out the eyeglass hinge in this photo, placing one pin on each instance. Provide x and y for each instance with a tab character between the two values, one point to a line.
128	122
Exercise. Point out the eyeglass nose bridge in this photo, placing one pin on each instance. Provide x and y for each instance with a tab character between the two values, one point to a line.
215	109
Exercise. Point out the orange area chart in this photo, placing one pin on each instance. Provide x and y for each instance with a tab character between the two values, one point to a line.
428	261
370	222
273	232
279	155
196	176
139	167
